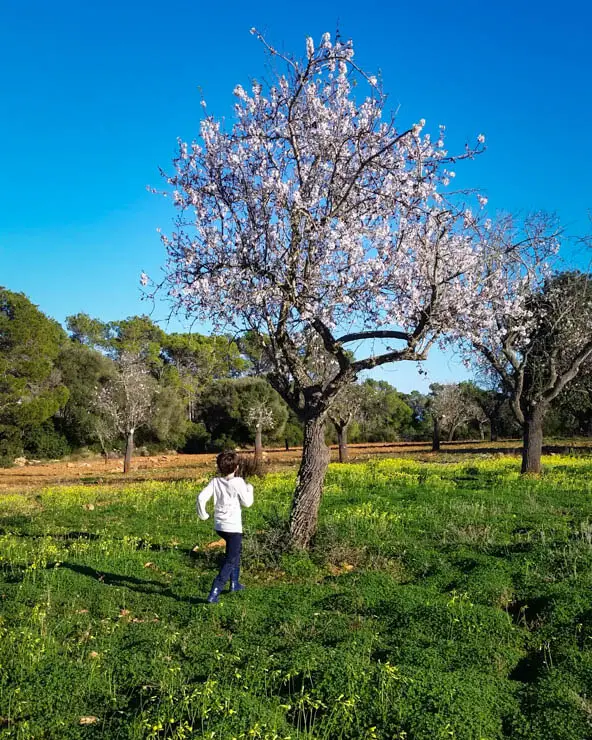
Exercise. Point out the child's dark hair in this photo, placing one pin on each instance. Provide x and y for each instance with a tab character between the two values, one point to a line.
227	462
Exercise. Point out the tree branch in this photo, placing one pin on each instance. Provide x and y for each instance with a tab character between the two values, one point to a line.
377	334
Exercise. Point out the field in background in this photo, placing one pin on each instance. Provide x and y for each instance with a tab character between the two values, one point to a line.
95	470
439	601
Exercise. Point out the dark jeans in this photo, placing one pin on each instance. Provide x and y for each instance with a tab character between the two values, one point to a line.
234	546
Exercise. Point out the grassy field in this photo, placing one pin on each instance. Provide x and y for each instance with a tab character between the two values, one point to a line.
439	601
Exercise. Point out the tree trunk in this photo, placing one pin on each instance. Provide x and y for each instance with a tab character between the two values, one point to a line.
287	445
532	446
103	447
436	436
258	445
309	483
129	449
342	439
493	429
451	433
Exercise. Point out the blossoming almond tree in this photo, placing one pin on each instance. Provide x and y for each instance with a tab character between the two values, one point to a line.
314	214
538	337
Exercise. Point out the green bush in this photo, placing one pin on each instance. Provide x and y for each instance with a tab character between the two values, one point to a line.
196	440
45	442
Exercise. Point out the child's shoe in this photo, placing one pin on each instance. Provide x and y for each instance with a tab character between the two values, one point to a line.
214	595
234	583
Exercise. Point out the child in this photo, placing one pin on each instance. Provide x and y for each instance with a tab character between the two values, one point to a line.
230	493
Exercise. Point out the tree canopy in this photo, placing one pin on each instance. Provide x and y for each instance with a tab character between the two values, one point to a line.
315	216
30	388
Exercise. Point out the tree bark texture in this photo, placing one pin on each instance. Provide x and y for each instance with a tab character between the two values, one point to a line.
129	451
436	436
532	446
258	444
309	483
342	440
494	427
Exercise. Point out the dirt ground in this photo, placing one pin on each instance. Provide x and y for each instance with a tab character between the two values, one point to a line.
35	474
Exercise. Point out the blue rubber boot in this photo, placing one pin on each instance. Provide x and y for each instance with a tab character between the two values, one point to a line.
234	583
214	595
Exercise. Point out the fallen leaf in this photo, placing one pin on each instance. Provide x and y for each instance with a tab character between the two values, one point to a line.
124	612
217	543
93	654
337	570
82	611
88	720
89	507
148	565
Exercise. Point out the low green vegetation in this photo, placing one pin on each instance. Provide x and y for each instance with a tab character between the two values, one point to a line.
438	601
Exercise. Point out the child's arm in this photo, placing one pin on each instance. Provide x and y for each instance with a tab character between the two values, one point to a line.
245	494
202	499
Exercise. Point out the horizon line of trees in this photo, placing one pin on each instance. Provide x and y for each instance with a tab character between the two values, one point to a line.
110	386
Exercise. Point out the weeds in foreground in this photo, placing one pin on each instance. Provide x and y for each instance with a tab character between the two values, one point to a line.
438	601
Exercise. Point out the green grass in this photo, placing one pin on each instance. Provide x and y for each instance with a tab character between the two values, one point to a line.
438	601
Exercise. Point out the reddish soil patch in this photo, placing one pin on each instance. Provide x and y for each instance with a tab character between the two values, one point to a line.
177	466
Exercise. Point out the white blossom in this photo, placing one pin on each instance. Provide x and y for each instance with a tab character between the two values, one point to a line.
314	209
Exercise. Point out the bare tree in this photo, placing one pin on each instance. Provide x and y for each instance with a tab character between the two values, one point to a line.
126	400
452	407
342	412
104	429
260	418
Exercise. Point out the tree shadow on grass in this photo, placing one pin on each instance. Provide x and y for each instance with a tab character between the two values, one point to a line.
17	521
76	535
62	536
147	586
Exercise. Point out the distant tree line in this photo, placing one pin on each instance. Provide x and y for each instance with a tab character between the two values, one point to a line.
115	386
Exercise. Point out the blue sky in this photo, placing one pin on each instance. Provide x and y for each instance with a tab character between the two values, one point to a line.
93	96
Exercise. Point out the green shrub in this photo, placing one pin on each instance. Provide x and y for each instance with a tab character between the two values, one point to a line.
196	440
45	442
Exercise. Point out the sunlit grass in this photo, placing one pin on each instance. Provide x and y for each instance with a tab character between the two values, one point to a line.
438	600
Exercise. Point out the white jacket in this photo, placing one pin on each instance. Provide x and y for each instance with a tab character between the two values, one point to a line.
229	495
